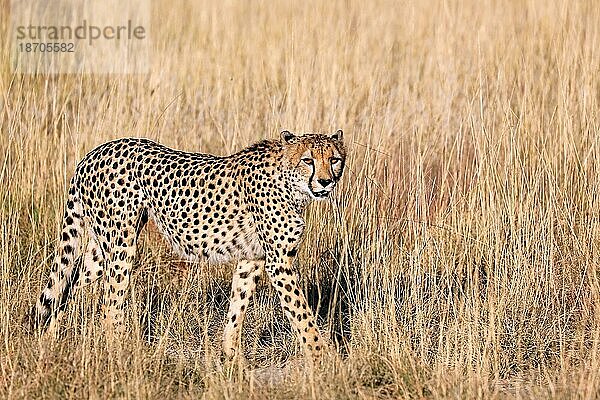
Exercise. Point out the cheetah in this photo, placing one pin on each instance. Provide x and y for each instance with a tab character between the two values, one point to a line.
245	208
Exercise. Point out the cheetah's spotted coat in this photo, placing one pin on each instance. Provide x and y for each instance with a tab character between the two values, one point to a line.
247	207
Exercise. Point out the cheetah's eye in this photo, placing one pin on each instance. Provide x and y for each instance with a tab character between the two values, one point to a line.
335	161
307	161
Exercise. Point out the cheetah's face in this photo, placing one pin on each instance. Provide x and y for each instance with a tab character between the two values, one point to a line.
316	161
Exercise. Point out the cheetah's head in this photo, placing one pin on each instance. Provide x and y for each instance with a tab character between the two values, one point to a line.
316	161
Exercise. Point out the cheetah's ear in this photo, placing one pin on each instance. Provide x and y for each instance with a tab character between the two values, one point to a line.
338	135
287	137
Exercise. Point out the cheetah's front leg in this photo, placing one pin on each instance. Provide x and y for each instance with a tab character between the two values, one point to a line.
294	304
245	278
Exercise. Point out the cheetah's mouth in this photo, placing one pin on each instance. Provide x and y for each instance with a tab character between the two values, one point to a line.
321	194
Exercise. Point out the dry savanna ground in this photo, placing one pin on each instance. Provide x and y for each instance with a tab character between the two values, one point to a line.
458	258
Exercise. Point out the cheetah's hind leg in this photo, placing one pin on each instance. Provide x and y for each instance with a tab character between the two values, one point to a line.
92	267
116	280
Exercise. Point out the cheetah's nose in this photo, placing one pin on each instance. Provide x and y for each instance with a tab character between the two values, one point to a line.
324	182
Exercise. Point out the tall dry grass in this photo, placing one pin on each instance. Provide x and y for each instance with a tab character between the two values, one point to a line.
457	260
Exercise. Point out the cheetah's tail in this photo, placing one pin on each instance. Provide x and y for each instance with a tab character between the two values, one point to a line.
64	274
